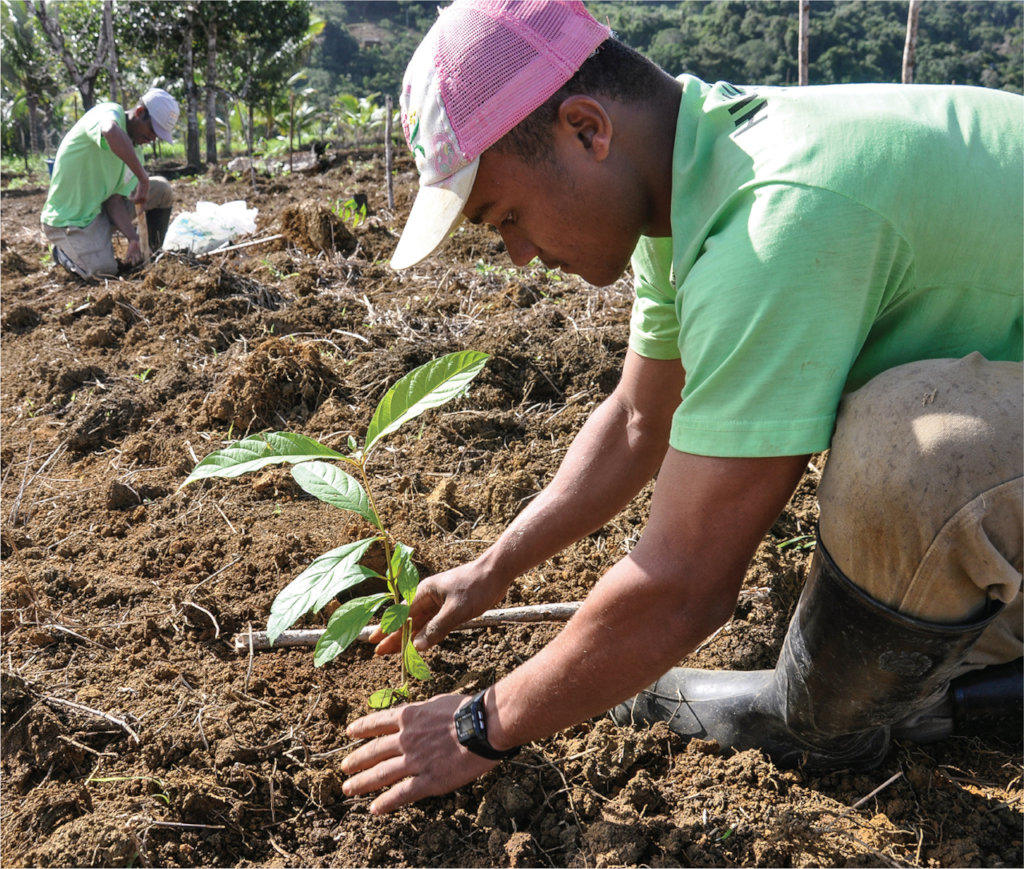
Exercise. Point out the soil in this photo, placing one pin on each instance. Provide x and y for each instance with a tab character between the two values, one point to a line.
134	734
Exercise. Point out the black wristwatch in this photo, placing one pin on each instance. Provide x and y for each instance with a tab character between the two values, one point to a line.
471	728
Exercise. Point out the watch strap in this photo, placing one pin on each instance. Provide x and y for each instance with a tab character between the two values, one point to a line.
471	729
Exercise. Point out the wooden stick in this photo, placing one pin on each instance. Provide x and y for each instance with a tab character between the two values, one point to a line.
142	227
388	112
237	246
551	612
90	711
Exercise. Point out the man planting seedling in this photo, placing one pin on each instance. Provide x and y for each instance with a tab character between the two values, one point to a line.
815	268
98	179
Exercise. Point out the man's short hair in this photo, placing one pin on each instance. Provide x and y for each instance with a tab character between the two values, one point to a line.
614	70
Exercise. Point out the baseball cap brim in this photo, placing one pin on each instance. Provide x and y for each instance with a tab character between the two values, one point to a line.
162	132
435	213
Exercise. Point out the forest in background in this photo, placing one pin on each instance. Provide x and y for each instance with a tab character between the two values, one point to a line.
266	76
365	44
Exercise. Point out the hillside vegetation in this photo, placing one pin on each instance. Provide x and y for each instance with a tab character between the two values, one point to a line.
365	45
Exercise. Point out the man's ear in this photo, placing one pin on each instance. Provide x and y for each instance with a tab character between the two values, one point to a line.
585	118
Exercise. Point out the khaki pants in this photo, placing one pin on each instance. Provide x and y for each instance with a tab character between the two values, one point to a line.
921	498
90	249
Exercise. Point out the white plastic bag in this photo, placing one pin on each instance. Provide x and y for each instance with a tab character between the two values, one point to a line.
210	226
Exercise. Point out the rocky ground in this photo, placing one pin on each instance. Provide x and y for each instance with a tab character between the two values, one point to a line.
134	734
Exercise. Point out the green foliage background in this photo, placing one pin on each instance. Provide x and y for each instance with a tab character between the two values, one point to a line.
323	68
366	45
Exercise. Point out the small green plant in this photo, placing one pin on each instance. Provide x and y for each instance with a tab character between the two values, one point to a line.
349	211
275	271
338	570
124	778
803	541
143	375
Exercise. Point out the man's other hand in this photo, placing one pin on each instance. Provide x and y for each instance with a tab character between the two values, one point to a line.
413	752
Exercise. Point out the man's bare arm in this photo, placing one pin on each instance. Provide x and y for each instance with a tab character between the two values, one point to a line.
121	146
658	603
653	607
614	455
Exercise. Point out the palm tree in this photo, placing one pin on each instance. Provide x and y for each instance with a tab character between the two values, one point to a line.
25	74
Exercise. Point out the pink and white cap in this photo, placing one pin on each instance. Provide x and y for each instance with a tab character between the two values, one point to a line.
482	68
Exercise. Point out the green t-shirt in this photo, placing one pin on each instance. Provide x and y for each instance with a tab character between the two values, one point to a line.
86	173
820	236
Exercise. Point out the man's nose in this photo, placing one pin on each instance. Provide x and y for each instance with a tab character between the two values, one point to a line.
520	250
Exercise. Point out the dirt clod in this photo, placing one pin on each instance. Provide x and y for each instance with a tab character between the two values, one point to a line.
314	228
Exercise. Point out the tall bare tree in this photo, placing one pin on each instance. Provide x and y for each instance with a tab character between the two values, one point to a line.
116	93
910	46
805	15
211	88
192	151
83	76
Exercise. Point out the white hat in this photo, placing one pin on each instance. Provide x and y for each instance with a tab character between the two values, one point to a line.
484	66
163	112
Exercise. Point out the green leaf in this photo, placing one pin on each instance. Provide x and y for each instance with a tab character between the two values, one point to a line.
329	574
344	626
415	665
257	452
387	697
430	385
403	572
394	617
331	484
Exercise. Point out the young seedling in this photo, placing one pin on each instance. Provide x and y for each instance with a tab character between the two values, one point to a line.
350	211
338	570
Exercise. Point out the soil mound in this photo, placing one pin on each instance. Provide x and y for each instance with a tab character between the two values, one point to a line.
314	228
277	385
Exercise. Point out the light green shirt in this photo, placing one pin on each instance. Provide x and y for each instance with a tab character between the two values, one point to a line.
86	173
820	236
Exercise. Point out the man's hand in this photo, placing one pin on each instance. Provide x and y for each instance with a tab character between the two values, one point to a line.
134	254
413	751
443	602
610	460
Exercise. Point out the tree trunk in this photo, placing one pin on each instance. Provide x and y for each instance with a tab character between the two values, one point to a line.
805	15
249	133
910	47
193	155
84	81
227	131
32	103
211	91
108	30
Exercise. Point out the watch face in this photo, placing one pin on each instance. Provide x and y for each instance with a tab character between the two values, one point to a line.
464	725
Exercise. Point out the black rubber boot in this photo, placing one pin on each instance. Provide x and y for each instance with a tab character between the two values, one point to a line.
157	221
985	702
849	669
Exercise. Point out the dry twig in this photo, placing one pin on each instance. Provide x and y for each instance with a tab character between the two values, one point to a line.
120	722
556	612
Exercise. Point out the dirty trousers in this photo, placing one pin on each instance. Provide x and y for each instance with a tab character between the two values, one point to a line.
921	497
90	248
